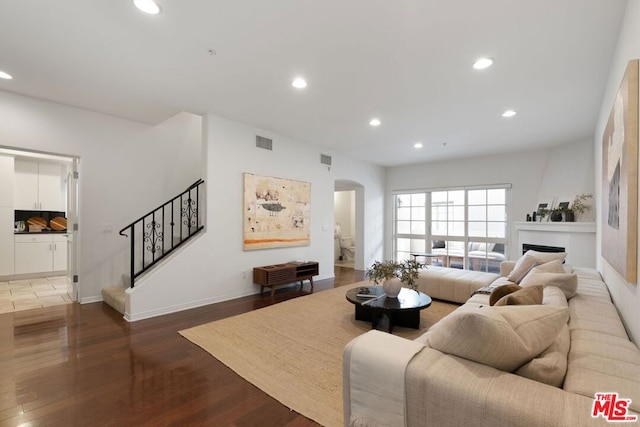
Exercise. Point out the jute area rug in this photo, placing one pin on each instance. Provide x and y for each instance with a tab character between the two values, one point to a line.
293	350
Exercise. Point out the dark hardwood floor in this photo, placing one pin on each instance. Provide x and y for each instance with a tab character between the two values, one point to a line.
83	365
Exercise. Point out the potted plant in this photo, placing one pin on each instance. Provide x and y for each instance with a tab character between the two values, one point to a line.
394	274
579	206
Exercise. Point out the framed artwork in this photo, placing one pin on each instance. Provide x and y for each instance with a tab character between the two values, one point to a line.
277	212
546	204
620	179
564	202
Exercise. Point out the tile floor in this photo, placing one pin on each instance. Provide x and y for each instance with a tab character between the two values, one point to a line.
16	295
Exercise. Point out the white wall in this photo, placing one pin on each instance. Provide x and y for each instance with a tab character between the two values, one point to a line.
625	295
566	168
215	267
126	169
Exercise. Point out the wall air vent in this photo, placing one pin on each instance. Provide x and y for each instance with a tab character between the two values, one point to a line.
325	160
262	142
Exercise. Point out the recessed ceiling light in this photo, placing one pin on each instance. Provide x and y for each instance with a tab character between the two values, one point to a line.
482	63
5	76
509	113
417	145
147	6
299	83
375	122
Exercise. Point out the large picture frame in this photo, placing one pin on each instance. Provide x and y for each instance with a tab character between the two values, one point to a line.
277	212
620	179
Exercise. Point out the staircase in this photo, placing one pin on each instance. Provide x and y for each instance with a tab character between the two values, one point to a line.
156	234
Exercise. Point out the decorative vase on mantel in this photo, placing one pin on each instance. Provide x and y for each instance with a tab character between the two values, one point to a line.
556	216
392	287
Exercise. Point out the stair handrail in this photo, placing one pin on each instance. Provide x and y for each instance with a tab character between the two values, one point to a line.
153	236
192	186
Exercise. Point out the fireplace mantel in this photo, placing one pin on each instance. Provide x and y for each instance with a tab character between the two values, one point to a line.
579	239
566	227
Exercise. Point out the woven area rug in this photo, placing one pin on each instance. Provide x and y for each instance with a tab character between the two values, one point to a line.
293	350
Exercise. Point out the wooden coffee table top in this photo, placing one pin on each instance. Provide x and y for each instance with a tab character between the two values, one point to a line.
408	299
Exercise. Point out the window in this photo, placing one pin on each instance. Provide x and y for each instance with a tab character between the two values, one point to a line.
467	228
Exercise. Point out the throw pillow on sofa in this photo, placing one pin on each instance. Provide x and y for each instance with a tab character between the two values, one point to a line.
502	291
531	295
530	260
550	367
502	337
568	283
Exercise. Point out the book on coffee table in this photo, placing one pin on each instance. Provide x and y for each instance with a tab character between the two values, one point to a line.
366	293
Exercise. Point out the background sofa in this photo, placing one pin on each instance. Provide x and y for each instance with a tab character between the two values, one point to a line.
591	354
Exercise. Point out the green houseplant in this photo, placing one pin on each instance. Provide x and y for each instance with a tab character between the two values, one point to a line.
393	275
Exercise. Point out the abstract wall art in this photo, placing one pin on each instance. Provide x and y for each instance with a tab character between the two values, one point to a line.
277	212
620	179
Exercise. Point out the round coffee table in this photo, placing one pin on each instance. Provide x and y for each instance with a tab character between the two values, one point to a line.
401	311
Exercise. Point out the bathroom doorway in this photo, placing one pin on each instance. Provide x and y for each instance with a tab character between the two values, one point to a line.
349	224
345	219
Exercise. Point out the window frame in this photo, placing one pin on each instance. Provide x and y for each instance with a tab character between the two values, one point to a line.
429	237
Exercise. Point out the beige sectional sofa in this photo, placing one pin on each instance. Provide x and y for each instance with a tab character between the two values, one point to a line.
591	353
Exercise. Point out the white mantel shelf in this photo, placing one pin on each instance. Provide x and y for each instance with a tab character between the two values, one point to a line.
560	227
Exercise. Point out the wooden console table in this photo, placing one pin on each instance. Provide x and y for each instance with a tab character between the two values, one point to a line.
283	274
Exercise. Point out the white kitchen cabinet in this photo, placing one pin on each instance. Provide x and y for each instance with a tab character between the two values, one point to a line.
38	186
6	241
40	253
59	252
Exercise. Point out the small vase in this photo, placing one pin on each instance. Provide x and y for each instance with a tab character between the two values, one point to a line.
569	216
392	287
556	217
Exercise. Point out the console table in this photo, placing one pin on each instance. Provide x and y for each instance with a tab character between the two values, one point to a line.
283	274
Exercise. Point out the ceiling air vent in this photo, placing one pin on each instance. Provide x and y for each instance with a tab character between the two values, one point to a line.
262	142
325	160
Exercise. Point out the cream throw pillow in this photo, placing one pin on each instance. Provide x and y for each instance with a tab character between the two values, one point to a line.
502	337
568	283
550	367
554	266
544	257
522	267
531	259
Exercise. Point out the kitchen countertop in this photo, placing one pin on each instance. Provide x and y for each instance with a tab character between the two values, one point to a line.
41	232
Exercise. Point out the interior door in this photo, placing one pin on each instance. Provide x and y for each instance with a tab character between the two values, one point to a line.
72	230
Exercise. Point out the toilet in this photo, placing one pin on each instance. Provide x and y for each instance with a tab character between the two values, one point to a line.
347	248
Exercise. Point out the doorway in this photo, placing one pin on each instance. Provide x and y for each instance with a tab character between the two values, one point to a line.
41	235
349	239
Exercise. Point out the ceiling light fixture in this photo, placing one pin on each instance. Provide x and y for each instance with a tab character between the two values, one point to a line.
299	83
375	122
482	63
509	113
147	6
417	145
5	76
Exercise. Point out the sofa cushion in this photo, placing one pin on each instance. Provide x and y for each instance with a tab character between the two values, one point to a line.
502	337
550	367
526	296
554	266
531	259
568	283
544	257
502	291
522	267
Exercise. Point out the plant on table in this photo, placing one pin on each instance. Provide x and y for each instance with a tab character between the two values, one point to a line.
407	271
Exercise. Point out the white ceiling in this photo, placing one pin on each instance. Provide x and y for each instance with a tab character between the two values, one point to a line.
405	62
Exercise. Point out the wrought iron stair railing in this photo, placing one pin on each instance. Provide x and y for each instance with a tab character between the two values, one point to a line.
156	234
